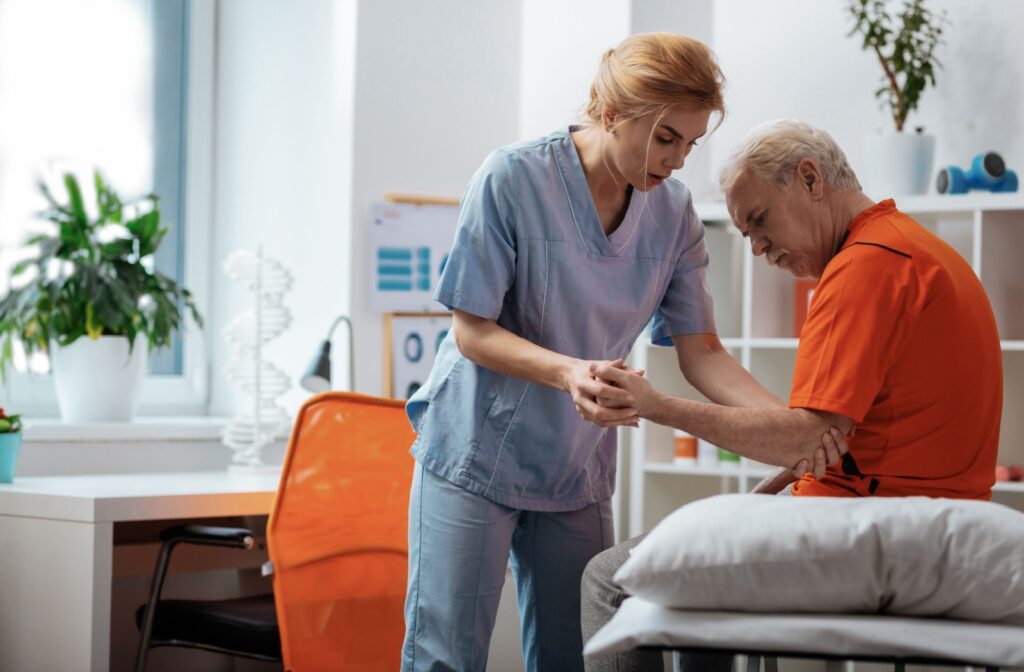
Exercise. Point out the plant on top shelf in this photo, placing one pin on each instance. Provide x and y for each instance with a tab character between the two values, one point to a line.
9	424
906	51
92	276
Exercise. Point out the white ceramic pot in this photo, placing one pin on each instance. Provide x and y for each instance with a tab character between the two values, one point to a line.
98	380
899	164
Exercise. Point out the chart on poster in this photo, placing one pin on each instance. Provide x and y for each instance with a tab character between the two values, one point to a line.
409	248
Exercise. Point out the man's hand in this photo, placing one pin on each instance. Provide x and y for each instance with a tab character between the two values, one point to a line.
585	389
833	447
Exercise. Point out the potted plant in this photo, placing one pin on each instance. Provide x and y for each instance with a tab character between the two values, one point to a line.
91	298
904	44
10	444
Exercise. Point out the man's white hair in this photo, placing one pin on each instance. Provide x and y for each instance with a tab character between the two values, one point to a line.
772	150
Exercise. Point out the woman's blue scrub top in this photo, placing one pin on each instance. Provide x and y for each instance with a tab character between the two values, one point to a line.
530	253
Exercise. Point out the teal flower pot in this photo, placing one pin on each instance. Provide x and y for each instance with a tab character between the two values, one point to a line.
10	444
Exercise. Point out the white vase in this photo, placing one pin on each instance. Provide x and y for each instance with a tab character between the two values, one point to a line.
98	380
899	164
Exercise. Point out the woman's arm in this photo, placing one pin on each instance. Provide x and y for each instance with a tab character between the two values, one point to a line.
484	342
718	376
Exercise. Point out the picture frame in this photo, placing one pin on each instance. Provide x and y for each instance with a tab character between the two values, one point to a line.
411	341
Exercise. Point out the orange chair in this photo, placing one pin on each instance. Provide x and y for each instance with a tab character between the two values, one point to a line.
338	535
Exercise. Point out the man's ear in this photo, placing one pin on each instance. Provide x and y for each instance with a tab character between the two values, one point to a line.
808	173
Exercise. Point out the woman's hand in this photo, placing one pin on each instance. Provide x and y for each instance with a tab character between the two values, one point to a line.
586	389
616	377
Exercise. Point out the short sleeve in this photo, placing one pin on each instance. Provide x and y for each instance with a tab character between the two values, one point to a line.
481	265
686	307
860	319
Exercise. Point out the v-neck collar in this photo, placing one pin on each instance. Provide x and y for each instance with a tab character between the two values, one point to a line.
582	207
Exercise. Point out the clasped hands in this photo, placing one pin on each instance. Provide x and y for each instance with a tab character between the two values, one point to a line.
610	394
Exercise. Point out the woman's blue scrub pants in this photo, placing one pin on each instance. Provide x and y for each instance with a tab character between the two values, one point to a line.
459	547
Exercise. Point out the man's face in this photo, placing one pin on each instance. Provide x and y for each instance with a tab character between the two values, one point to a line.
645	151
785	225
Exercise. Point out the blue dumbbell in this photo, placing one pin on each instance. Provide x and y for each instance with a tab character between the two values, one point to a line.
987	171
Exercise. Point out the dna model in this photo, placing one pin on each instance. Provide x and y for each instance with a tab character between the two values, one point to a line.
262	420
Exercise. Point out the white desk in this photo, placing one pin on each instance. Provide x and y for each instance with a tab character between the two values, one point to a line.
56	550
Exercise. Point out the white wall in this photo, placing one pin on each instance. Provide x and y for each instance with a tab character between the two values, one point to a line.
792	58
693	18
436	91
283	175
562	45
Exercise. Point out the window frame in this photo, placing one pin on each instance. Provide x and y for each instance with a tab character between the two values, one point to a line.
187	393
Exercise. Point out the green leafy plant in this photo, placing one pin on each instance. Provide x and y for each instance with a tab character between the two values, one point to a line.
906	51
9	424
92	277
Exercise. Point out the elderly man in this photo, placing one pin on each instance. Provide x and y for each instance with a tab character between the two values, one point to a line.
900	342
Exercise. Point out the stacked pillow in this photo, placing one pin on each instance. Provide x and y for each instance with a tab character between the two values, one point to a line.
913	556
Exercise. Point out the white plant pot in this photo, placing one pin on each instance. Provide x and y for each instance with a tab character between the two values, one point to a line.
98	380
899	164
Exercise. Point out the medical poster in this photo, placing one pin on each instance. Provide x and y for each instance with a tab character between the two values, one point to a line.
411	343
409	248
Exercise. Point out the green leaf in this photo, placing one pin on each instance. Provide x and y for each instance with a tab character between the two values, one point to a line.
75	195
21	267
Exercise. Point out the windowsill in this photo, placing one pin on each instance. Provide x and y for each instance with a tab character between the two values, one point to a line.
152	429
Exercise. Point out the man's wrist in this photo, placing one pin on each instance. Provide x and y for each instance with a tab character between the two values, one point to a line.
654	408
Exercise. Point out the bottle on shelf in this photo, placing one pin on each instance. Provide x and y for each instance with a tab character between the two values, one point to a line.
728	458
707	454
685	449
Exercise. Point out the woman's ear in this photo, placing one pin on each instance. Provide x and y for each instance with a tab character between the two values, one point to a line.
608	119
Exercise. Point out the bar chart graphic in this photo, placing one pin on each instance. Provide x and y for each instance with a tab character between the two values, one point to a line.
410	245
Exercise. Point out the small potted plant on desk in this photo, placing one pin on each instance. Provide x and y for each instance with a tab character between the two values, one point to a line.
10	444
91	299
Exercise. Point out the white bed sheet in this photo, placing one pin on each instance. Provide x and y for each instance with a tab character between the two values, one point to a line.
641	623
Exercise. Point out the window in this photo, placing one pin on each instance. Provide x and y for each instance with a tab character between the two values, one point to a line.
125	86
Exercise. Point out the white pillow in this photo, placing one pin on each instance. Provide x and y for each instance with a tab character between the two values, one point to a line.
913	556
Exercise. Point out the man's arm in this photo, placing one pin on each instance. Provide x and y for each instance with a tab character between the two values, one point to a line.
779	436
719	377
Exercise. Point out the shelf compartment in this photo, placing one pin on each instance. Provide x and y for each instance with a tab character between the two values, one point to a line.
1002	238
1011	447
725	278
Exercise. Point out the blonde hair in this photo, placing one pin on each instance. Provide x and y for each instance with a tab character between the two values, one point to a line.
651	72
772	150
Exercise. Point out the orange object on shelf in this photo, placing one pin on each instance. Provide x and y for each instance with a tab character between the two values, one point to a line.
803	292
338	534
685	448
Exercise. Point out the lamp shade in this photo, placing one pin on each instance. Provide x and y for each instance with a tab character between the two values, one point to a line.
317	377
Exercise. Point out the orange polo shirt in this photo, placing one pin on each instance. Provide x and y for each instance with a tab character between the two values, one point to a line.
901	338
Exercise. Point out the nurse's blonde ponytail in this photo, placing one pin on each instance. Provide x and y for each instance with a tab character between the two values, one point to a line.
651	72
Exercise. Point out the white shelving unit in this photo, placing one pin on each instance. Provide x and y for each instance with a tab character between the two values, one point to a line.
754	307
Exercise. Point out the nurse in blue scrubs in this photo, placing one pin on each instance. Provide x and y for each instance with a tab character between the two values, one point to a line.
567	246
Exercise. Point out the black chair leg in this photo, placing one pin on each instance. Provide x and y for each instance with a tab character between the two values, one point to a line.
753	663
146	632
771	664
